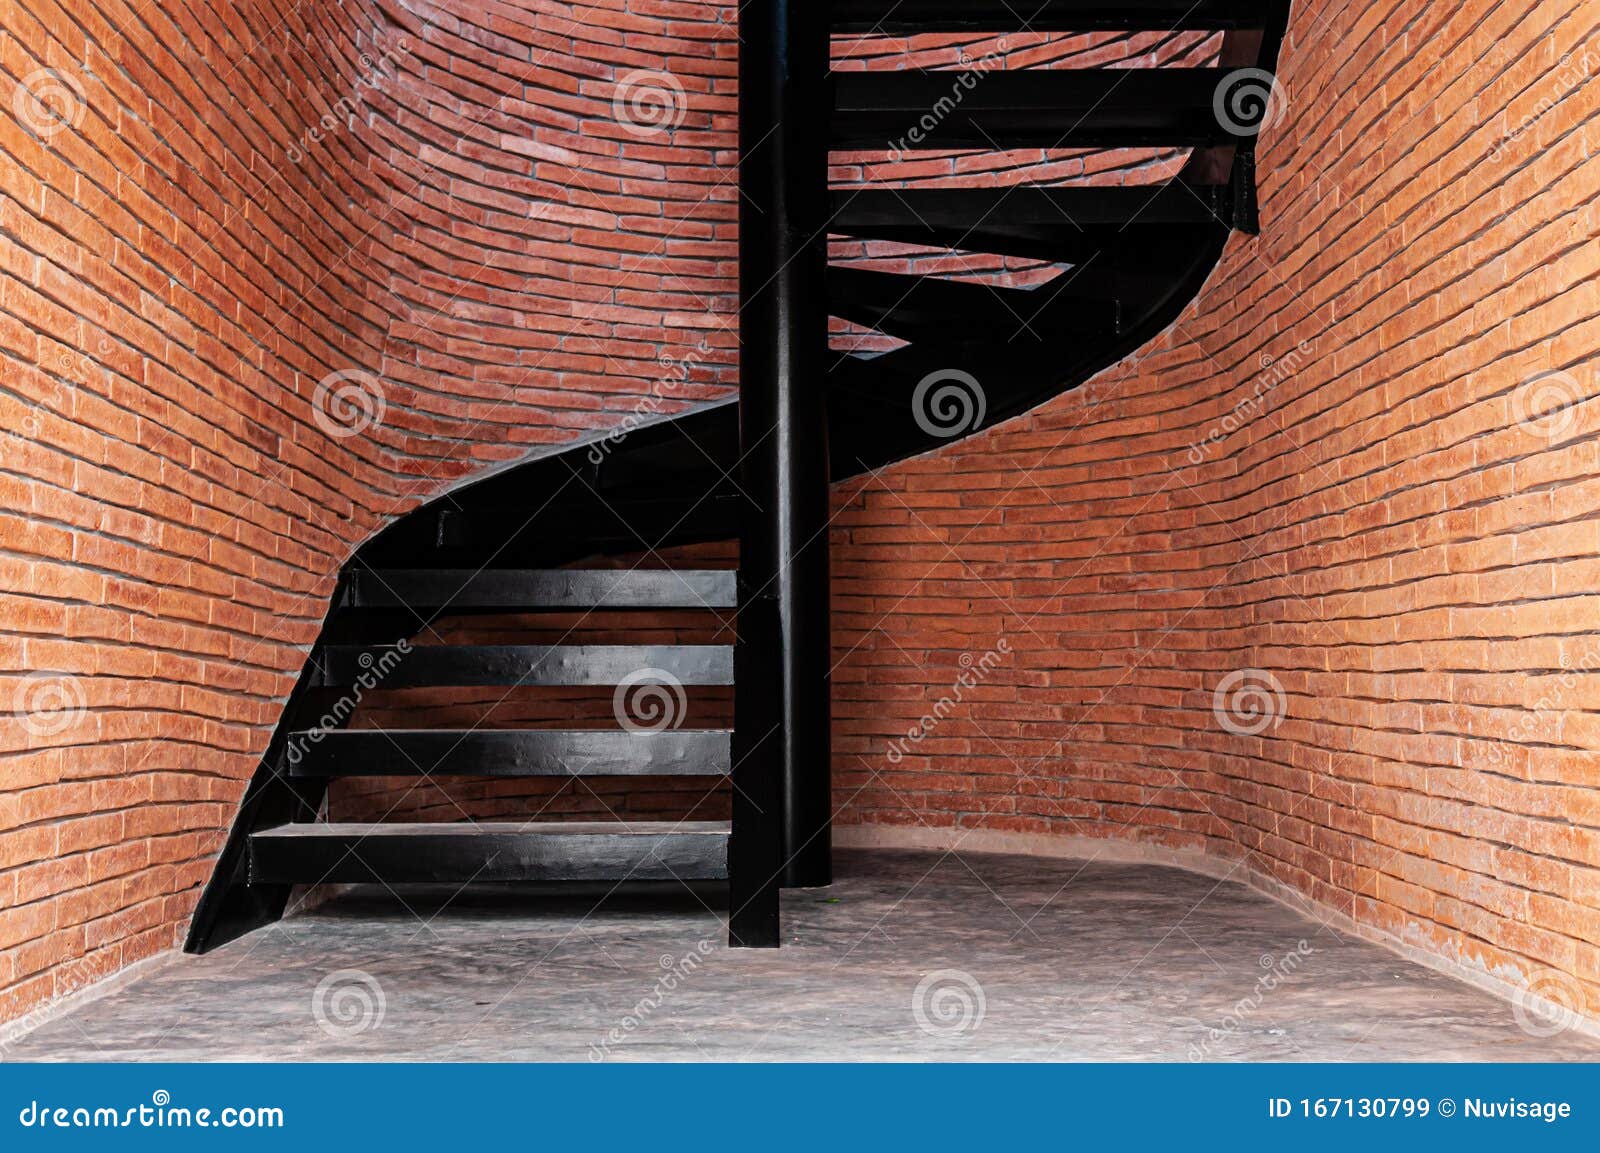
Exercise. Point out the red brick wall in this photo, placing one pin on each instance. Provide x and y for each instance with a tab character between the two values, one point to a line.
205	212
478	232
1343	468
272	273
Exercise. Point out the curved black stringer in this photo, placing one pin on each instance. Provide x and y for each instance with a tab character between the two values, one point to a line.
517	541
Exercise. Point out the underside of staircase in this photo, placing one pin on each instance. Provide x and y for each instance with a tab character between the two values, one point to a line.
583	531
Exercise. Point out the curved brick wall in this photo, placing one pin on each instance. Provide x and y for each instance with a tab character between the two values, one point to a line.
443	198
272	274
440	204
1340	469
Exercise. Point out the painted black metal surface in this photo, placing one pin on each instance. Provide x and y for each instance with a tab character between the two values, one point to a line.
509	752
898	17
395	854
857	211
921	307
903	112
419	665
782	751
527	589
758	469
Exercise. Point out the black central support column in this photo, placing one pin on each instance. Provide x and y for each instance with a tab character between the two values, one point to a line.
781	695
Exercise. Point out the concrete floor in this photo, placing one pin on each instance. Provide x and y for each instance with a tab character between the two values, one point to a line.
908	956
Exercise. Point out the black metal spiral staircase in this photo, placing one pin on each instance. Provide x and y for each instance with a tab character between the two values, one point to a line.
758	470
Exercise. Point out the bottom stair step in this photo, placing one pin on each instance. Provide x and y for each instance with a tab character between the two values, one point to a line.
313	853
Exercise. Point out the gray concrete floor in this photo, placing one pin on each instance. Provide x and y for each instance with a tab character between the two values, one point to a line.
908	956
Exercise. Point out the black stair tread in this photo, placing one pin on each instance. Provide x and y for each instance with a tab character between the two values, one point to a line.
314	829
915	307
1032	108
346	734
891	17
579	523
510	752
894	374
1072	224
497	851
390	667
544	588
854	210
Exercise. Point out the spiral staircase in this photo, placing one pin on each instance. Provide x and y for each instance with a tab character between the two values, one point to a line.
546	536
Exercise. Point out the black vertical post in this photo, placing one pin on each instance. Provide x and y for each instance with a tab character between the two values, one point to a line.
782	782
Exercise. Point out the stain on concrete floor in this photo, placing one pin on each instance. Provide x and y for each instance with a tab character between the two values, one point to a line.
909	956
